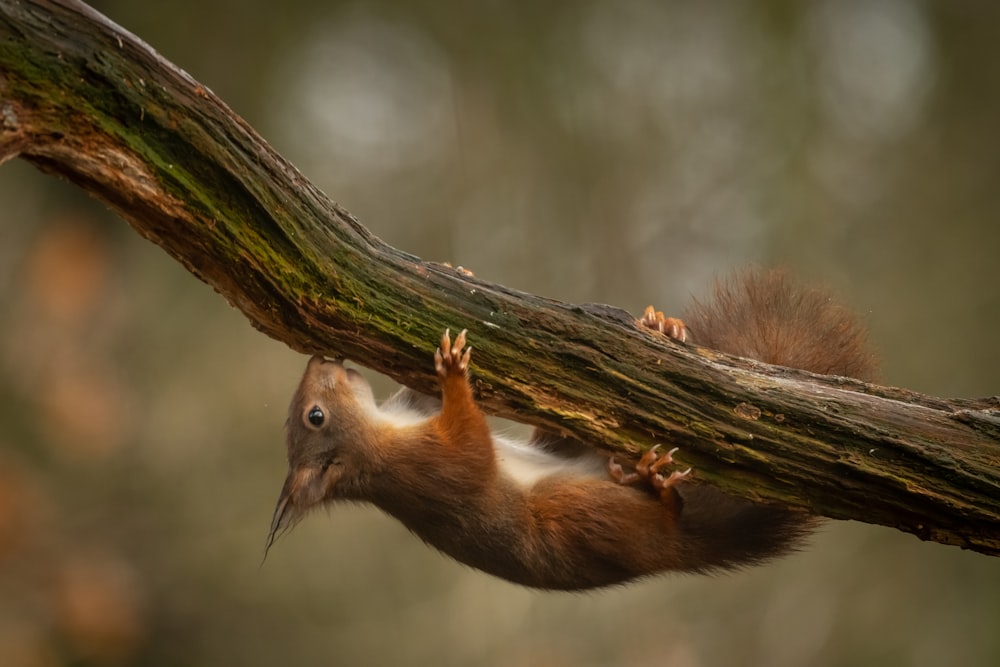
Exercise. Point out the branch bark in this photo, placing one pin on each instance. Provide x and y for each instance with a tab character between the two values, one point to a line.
82	98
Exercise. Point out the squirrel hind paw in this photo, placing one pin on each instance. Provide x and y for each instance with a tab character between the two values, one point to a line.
648	470
661	483
619	475
671	327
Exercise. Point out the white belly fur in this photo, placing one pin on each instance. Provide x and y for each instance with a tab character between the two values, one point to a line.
526	464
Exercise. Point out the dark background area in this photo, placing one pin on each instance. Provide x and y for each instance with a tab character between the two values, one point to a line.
618	152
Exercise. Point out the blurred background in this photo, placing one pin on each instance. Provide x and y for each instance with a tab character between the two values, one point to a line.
589	151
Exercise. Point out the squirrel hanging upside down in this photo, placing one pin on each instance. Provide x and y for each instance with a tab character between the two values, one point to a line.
522	511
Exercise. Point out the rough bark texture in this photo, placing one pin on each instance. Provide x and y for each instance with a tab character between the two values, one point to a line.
84	99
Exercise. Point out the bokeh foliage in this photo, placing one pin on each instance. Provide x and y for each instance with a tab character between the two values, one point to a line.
621	152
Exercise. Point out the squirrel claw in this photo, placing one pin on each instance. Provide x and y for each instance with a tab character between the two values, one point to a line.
618	473
671	327
449	358
648	468
660	482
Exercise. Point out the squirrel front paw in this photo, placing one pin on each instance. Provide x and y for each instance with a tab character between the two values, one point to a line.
670	327
449	359
648	469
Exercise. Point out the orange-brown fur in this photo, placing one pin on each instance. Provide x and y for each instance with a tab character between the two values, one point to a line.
764	315
437	468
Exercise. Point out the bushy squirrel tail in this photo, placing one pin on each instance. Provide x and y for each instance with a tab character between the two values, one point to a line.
763	314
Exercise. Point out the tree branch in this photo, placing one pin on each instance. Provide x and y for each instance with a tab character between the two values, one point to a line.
82	98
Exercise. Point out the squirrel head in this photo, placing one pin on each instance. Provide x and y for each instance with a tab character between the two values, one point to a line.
327	433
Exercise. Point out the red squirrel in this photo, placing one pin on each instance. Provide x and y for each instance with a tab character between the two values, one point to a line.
526	512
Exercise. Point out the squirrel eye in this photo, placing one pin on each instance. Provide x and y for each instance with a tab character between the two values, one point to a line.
315	416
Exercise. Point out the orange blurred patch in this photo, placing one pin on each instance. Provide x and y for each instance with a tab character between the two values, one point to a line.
22	507
83	410
24	644
67	270
99	608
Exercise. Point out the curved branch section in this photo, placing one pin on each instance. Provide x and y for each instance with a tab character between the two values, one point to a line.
82	98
